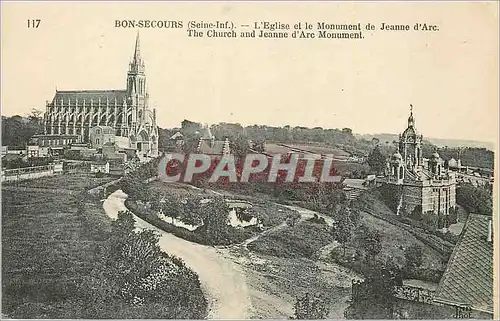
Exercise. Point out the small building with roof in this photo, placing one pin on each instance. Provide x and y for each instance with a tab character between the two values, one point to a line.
99	167
210	146
467	282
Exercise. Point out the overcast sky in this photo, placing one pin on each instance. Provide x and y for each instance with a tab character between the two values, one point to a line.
449	76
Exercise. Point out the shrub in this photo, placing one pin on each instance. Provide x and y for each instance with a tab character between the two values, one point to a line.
391	194
475	199
311	307
413	257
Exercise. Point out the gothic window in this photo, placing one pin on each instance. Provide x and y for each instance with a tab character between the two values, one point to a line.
400	172
97	141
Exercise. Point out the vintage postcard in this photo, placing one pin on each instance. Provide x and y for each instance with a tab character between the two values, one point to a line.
249	160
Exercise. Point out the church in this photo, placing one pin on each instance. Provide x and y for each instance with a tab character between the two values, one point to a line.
426	186
125	112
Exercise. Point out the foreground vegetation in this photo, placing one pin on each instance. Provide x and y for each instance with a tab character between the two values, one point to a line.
63	258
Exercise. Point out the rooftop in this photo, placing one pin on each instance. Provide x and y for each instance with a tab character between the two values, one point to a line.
468	278
90	95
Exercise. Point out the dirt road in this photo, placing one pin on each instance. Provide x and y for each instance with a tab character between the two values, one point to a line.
223	282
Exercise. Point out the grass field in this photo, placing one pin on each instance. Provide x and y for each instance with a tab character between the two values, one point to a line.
303	240
45	248
277	149
54	243
76	182
395	241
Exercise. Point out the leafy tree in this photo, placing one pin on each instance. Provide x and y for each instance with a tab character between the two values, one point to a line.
190	144
17	130
413	257
376	299
343	227
311	307
376	160
371	241
475	199
216	220
135	272
259	145
239	145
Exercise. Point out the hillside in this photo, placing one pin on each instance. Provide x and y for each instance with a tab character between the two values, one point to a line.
439	142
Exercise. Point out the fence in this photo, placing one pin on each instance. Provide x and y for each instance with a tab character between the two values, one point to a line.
18	174
404	292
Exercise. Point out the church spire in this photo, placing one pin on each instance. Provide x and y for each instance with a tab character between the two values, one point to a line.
136	77
137	50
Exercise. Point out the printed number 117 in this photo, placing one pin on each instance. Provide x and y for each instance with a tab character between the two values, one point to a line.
34	23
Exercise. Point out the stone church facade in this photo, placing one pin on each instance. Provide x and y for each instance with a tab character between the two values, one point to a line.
426	186
126	111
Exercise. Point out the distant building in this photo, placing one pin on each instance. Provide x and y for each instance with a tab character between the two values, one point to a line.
177	136
54	141
126	112
37	151
99	167
210	146
100	135
426	186
190	128
467	282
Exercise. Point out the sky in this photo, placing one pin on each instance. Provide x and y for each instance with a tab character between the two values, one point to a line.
449	76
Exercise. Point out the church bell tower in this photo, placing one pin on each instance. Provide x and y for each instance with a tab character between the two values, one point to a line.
136	76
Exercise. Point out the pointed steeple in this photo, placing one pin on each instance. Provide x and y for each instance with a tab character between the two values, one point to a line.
136	77
137	65
137	50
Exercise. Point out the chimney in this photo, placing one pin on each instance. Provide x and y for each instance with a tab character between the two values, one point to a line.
490	231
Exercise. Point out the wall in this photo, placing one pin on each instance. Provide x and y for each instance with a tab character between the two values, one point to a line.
12	175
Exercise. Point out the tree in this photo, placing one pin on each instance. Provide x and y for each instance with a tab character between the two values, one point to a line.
259	145
240	146
371	241
413	257
17	130
475	199
311	307
216	221
375	299
343	227
376	160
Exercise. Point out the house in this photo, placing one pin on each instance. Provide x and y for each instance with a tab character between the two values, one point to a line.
54	141
177	136
99	167
37	151
100	135
467	282
210	146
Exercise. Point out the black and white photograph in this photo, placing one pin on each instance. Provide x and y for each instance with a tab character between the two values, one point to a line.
249	160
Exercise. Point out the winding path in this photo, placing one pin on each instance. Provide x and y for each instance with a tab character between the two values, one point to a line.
223	282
